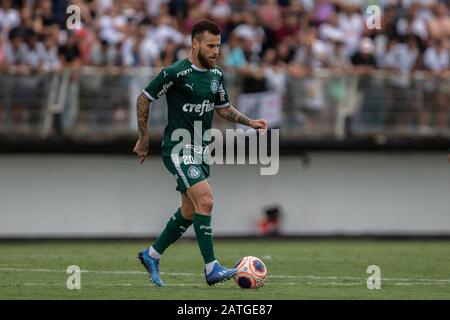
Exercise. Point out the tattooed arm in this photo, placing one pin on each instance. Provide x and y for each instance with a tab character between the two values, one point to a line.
143	109
231	114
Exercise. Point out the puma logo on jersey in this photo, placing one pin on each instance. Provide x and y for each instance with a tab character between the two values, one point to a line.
165	74
191	86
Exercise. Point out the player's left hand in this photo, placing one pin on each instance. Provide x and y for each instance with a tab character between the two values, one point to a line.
260	124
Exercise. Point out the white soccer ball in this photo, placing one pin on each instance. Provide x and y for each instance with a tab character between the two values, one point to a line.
251	274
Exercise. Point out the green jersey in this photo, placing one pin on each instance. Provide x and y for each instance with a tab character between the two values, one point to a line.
192	94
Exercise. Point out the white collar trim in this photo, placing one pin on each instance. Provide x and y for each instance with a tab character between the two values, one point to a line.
198	68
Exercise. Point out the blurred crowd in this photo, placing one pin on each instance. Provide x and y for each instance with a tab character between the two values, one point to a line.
265	45
289	36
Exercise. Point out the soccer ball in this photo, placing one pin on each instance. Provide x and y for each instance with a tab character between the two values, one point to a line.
251	274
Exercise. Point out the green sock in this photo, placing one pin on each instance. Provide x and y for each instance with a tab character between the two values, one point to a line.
203	232
174	229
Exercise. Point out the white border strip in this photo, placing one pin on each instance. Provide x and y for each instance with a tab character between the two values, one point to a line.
223	105
148	95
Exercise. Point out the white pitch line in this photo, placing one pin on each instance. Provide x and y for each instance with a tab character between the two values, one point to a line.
133	272
43	284
350	284
356	278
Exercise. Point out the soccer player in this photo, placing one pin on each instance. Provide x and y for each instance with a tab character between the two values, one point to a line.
194	88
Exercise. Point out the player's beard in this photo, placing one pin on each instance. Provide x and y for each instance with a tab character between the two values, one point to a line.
205	61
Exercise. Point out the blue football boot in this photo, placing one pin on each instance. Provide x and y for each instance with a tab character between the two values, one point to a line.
152	266
219	274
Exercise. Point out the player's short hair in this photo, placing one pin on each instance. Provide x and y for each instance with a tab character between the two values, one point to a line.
202	26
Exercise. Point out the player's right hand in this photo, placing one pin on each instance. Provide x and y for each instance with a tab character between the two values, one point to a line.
141	149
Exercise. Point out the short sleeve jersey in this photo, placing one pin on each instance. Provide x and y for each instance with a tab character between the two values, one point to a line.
192	94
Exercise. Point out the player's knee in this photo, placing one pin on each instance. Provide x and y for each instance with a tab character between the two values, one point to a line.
205	204
187	211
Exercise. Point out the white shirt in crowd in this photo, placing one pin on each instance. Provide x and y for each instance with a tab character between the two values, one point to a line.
8	19
331	33
15	56
109	27
352	26
256	34
104	5
154	6
48	57
436	59
217	9
419	27
401	57
163	33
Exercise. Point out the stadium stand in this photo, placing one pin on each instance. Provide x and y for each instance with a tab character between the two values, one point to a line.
314	68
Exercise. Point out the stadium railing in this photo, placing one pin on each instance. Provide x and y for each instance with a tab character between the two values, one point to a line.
93	102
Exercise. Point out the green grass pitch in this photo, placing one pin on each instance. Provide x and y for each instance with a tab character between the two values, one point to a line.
297	269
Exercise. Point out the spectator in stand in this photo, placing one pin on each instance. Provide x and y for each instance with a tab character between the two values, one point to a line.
219	11
351	22
402	58
312	51
15	57
172	53
251	30
338	59
253	76
274	70
69	53
44	17
25	28
49	55
147	48
154	6
363	59
2	51
436	61
111	24
439	24
371	113
436	57
295	37
102	54
322	11
288	28
269	11
32	52
9	17
330	30
2	79
15	51
412	24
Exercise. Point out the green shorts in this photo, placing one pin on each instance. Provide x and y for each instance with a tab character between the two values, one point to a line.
186	171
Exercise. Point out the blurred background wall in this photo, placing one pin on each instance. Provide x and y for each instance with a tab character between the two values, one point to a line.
334	194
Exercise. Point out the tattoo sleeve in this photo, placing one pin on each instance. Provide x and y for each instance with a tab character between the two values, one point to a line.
235	116
143	109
